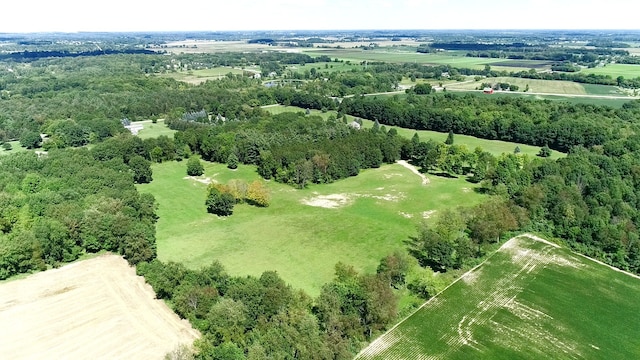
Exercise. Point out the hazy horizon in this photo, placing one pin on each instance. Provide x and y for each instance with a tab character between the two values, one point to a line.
71	16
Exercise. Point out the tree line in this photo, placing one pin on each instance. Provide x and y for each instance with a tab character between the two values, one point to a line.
556	124
264	318
56	207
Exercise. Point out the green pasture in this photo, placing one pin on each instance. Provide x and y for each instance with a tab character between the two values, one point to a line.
15	147
495	147
200	76
555	87
530	300
629	71
535	85
379	209
614	102
152	130
358	55
453	58
330	67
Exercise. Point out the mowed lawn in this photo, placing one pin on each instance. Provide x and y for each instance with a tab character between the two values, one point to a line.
151	130
495	147
379	209
200	76
530	300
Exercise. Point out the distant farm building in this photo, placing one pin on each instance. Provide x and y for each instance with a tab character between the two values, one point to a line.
487	90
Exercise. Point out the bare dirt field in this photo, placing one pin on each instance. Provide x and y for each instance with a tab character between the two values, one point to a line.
92	309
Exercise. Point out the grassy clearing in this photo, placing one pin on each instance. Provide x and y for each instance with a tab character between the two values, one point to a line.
380	209
535	85
530	300
495	147
406	55
358	55
200	76
330	67
543	86
602	101
15	147
615	70
152	130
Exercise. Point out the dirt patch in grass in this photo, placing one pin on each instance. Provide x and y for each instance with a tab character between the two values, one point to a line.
428	214
92	309
332	201
414	170
205	181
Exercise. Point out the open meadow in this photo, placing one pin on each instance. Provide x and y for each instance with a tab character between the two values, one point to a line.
91	309
530	300
540	86
409	55
614	70
15	147
389	55
495	147
199	76
303	233
151	130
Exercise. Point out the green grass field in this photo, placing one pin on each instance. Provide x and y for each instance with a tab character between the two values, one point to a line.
200	76
542	86
495	147
387	55
379	209
152	130
614	70
409	55
15	147
330	67
598	101
529	300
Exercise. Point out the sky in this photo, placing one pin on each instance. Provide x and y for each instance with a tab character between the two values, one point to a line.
220	15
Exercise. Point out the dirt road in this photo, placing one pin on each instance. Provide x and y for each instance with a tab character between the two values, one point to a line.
92	309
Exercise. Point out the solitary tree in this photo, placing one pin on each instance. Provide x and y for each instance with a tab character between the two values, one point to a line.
232	161
449	140
219	203
545	152
194	167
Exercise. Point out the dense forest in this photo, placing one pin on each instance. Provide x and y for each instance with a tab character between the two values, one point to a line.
56	207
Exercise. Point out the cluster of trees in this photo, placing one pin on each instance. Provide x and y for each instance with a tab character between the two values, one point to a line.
590	199
499	86
293	148
459	237
448	158
558	125
56	207
221	198
264	318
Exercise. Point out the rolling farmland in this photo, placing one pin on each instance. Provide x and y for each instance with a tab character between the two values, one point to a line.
530	300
